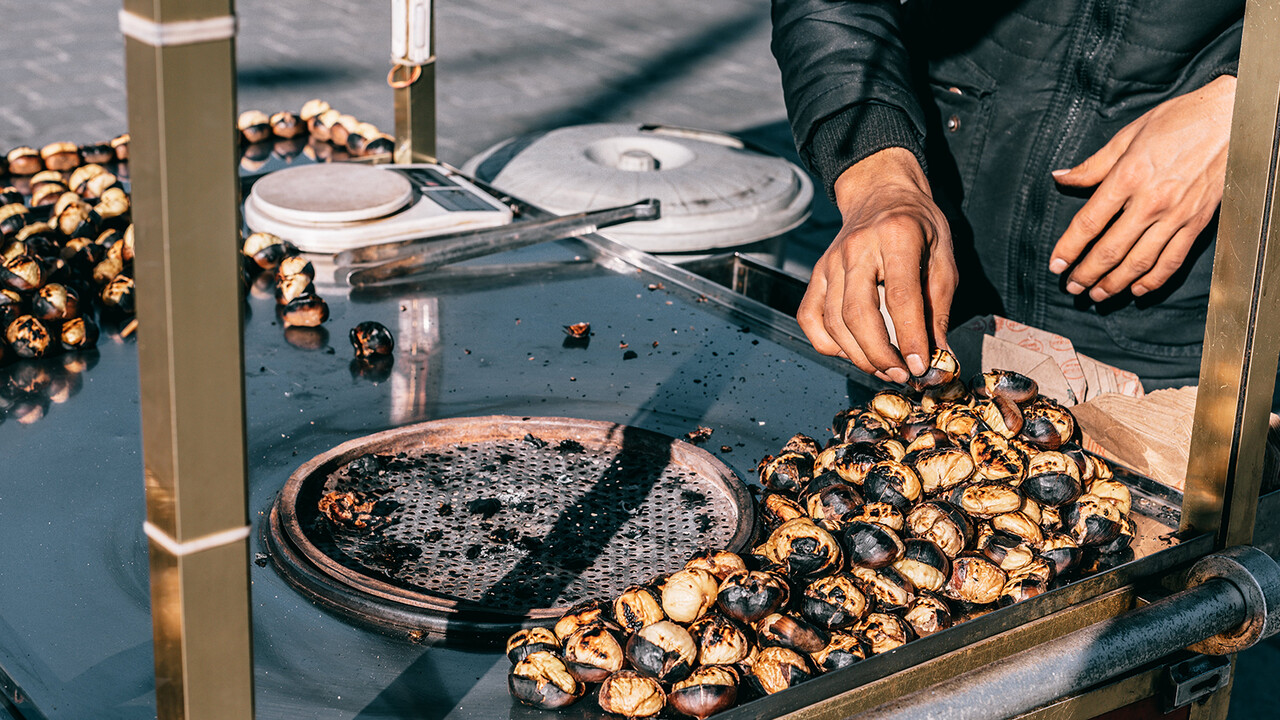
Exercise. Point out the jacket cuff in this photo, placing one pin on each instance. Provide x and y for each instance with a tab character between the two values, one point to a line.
855	133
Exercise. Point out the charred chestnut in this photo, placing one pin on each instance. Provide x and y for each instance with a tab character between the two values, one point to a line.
1007	551
380	144
918	424
820	482
707	691
1061	551
749	596
370	339
720	563
60	156
942	523
1007	384
593	653
119	295
27	337
779	668
292	287
791	632
305	311
1092	520
1020	525
880	513
1001	415
11	306
688	594
24	160
890	589
892	482
267	250
863	426
1114	492
79	334
924	564
883	632
843	650
663	650
254	126
802	548
959	421
871	546
1047	425
935	399
986	499
120	144
531	640
55	302
1021	589
943	369
637	606
804	445
631	694
584	614
788	472
850	461
974	579
97	152
22	273
542	680
1128	529
995	457
1053	479
834	506
348	508
834	601
777	509
720	640
928	614
943	468
287	125
892	406
312	108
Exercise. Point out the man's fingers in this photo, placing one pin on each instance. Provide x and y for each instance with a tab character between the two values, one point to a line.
1089	222
810	315
1095	167
836	326
1107	253
1171	258
861	313
1140	260
943	279
904	299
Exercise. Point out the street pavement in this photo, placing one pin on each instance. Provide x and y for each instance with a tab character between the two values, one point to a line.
505	68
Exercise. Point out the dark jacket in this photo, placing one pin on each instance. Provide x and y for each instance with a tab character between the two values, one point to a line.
992	96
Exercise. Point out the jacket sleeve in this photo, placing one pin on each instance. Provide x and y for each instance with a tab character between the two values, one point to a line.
1221	56
846	79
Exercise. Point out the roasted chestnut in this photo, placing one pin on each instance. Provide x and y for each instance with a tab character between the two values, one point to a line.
11	306
527	641
788	472
371	338
893	447
1047	425
883	632
1020	525
720	563
995	458
750	595
1020	589
1061	551
1128	529
986	499
820	482
918	424
958	421
928	614
804	445
892	406
943	368
637	606
890	589
892	482
707	691
79	334
880	513
120	144
862	426
312	108
348	508
1006	550
380	144
60	156
663	650
942	523
778	668
97	152
593	653
850	461
934	399
871	546
267	250
27	337
790	631
834	506
688	594
843	650
943	468
1092	520
1114	492
584	614
924	564
305	311
22	273
24	160
287	125
292	287
777	509
720	640
119	295
55	302
1052	479
542	680
1001	415
254	126
112	206
1006	384
802	548
631	695
834	601
974	579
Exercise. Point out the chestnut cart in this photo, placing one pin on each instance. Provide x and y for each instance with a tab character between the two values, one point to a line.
202	616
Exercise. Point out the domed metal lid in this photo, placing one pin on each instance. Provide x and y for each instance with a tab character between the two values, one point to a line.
715	191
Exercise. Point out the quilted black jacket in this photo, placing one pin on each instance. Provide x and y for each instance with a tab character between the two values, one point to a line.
991	96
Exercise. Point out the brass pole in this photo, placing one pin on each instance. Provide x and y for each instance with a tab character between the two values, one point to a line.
180	68
1242	335
415	108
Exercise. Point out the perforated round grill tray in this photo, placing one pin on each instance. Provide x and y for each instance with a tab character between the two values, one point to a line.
491	523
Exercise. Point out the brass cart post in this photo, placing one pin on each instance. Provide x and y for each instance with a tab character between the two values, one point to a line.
413	79
180	67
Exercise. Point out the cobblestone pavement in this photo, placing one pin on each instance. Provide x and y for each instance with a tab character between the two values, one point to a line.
504	68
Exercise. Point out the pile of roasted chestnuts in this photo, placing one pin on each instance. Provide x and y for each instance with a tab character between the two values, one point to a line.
317	131
926	508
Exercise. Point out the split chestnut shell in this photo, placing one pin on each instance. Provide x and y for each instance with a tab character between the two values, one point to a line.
663	650
778	668
802	548
1092	520
585	613
928	614
871	546
531	640
843	650
631	695
834	601
593	653
883	632
720	640
943	369
688	594
792	632
750	595
892	482
637	606
974	579
542	680
788	472
924	564
707	691
1006	384
942	523
720	563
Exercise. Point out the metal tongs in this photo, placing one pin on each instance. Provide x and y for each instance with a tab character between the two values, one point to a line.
409	257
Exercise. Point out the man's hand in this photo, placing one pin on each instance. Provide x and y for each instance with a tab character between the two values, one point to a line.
1159	181
893	233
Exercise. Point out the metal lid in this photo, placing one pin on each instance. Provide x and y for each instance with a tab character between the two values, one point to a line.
331	193
715	191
